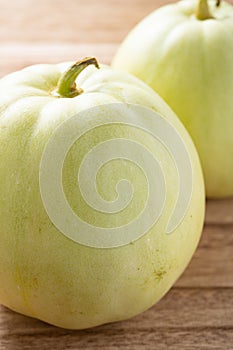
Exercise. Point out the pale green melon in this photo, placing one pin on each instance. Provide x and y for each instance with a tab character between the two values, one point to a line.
185	53
45	274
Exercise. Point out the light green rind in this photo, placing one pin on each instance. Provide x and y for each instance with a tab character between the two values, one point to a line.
189	63
45	275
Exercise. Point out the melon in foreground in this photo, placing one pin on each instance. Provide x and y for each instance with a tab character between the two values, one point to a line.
76	250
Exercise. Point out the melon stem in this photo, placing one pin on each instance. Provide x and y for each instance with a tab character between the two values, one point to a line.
66	86
202	11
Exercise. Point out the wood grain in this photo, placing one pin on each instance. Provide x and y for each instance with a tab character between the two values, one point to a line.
76	21
108	339
212	264
184	315
198	311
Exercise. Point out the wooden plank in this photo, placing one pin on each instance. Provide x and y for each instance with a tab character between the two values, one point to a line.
219	211
92	21
149	339
212	264
179	319
15	56
75	21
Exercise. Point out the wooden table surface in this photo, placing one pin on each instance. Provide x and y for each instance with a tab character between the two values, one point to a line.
198	311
